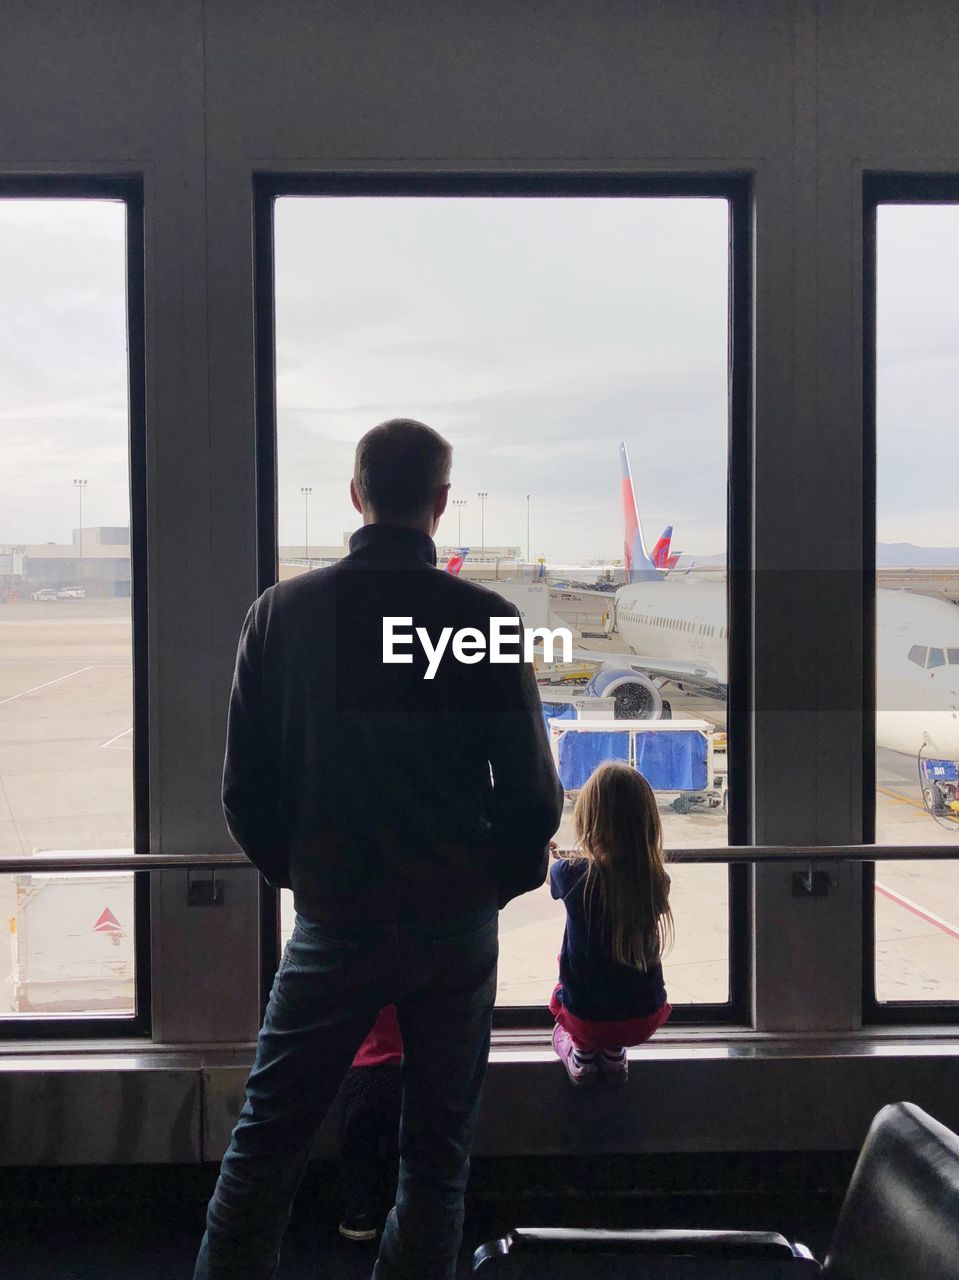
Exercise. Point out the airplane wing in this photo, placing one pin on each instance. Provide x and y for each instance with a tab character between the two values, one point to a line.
699	674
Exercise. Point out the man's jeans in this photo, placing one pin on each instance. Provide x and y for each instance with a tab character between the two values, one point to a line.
331	984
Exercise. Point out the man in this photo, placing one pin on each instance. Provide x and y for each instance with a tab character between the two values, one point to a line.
403	812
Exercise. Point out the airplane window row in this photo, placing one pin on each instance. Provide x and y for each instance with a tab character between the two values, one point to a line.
675	624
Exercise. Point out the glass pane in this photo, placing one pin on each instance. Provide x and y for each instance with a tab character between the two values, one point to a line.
538	335
66	777
918	589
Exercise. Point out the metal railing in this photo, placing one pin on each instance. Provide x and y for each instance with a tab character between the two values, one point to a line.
56	863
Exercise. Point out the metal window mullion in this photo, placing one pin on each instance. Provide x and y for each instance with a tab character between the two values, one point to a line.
204	957
809	538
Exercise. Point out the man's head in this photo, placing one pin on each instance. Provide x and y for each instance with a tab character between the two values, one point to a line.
401	475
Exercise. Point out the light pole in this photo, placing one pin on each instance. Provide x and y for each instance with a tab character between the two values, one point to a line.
306	490
80	485
482	497
459	504
528	561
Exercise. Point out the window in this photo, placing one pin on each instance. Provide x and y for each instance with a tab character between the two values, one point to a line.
916	924
953	656
66	622
575	306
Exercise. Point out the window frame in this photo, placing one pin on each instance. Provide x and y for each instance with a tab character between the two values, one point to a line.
880	188
127	189
736	188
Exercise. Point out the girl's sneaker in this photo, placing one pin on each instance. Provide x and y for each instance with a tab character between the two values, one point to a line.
358	1226
582	1066
614	1065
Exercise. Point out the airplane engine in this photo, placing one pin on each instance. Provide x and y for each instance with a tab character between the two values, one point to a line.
635	695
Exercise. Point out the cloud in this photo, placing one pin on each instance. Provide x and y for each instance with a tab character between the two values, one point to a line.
536	334
63	366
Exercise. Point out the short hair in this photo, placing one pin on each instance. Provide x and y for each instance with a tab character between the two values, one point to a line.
399	466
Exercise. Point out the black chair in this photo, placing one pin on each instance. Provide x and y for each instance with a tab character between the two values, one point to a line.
562	1253
899	1221
900	1215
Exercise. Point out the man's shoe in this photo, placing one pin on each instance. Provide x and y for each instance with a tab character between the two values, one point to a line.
581	1066
613	1066
359	1227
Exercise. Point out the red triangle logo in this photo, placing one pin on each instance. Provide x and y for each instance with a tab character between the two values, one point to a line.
108	923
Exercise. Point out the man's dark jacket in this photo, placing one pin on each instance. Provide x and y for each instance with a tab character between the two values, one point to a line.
363	786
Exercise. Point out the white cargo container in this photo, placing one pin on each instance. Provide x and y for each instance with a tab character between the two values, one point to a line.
72	943
670	779
531	598
586	707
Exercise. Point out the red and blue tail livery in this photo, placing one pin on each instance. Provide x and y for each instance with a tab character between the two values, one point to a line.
457	560
660	554
662	557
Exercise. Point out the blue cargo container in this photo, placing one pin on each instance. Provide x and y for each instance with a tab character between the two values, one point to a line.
673	755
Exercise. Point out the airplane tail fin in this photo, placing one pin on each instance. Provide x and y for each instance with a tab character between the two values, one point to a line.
639	565
456	561
660	553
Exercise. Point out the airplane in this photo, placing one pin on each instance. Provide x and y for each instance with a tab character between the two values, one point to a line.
675	631
660	554
917	674
456	561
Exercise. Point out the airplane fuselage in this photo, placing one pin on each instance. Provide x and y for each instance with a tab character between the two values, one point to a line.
917	674
675	619
917	660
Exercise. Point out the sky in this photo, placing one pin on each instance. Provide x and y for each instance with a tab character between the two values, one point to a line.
917	363
63	367
534	333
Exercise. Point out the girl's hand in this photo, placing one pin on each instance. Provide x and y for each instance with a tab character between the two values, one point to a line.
553	849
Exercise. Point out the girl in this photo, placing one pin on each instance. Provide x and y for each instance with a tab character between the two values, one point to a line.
615	889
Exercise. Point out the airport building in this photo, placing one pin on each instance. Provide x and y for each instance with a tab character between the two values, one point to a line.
97	561
489	563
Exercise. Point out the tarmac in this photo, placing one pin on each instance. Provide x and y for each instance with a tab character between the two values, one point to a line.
66	783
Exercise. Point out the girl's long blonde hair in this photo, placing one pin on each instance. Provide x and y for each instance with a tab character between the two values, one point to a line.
617	829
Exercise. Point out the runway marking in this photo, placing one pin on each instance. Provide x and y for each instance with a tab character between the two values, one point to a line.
929	916
916	805
23	694
116	738
44	662
893	795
